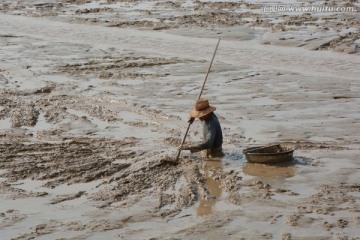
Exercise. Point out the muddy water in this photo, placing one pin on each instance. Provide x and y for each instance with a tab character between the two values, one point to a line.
214	186
90	106
270	171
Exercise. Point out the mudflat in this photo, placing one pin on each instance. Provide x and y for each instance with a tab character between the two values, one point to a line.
95	96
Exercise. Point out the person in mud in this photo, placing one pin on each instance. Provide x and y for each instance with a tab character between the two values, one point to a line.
212	134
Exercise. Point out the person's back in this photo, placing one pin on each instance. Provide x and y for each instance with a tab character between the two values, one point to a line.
212	133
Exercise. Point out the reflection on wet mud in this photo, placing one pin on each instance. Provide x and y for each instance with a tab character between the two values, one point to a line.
286	170
213	185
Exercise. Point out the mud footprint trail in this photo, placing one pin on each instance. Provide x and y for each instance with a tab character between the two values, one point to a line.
302	61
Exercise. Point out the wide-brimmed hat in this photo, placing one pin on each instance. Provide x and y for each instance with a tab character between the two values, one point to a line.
201	108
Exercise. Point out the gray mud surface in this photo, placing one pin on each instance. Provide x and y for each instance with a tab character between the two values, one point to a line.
94	101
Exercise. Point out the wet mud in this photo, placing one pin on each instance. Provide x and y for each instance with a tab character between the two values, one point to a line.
313	30
94	101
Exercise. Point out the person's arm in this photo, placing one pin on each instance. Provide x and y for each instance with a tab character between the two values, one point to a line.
208	142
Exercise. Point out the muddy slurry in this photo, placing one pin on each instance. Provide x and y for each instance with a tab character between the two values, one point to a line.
94	101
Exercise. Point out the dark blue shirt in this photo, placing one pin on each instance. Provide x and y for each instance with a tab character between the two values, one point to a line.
212	134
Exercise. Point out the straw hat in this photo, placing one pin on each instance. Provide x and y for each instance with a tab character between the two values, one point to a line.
201	108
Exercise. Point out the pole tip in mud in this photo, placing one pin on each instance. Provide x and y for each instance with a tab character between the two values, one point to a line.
168	159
